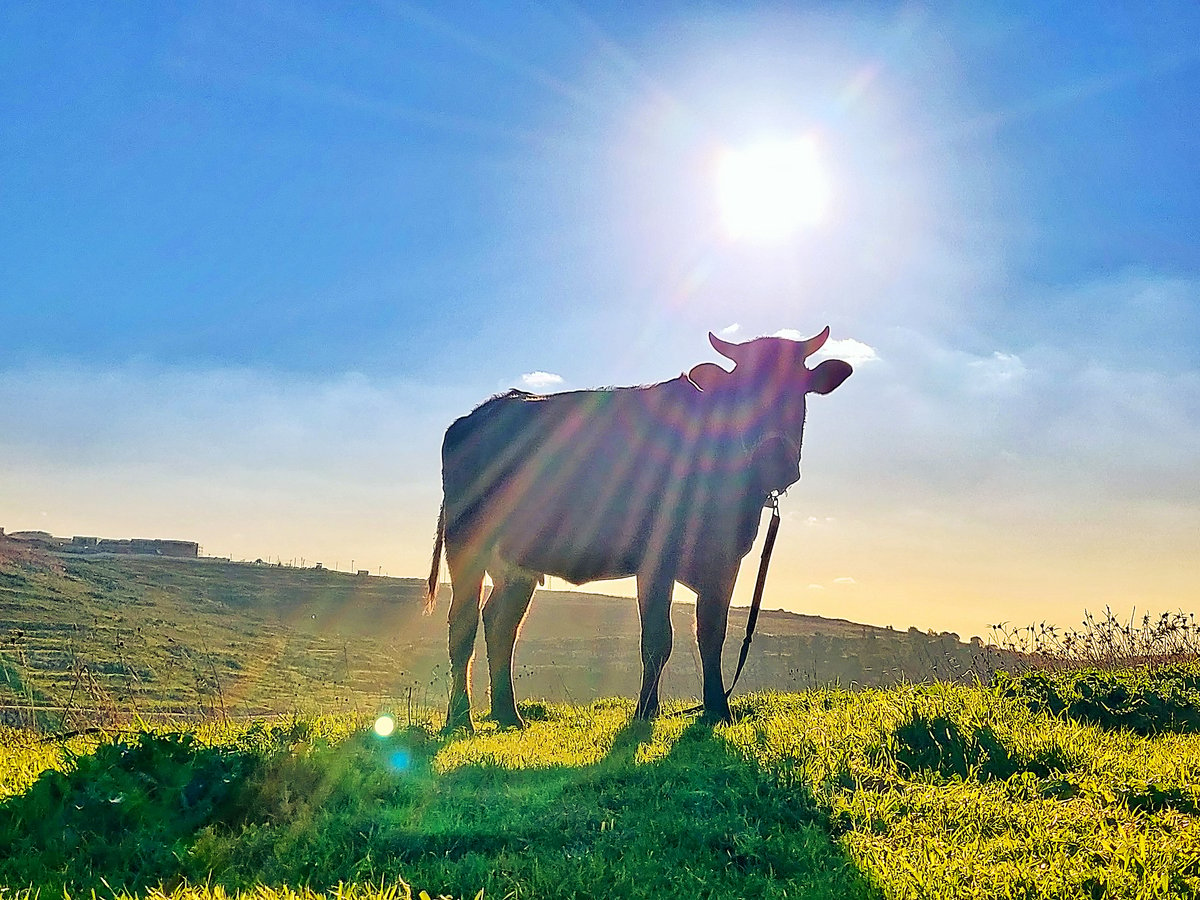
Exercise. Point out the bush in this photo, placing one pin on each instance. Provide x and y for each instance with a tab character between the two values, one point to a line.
130	807
1146	701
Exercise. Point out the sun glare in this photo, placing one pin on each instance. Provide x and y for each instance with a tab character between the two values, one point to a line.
768	190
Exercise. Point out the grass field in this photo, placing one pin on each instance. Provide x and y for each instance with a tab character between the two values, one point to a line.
1043	786
148	772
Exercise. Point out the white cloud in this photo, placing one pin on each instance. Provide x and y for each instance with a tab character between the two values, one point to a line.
854	352
816	587
729	330
539	381
845	579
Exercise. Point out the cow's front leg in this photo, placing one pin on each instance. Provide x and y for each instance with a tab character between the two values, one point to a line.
654	607
712	620
467	583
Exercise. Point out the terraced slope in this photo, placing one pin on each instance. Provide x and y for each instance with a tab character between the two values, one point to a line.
123	635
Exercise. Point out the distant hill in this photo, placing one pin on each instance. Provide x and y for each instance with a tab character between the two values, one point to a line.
187	636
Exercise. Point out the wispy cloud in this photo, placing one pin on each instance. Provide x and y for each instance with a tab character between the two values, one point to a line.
729	330
1031	426
219	416
1132	314
540	381
996	372
246	461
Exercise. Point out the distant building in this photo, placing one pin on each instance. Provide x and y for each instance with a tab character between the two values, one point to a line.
33	536
80	544
153	546
42	540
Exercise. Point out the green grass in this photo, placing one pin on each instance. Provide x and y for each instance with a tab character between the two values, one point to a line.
917	791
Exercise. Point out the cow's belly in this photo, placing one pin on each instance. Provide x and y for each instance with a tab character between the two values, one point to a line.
578	554
614	542
579	569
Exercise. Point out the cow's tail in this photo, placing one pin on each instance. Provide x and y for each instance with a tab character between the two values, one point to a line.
435	569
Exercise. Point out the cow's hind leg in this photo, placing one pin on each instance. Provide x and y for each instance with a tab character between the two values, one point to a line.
466	579
502	616
654	607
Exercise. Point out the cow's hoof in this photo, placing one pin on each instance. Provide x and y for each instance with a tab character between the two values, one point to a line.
508	720
451	727
459	720
645	713
719	716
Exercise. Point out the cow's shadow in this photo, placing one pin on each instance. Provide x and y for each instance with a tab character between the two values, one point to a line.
687	815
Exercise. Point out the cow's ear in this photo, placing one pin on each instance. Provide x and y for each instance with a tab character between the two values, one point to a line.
828	375
707	376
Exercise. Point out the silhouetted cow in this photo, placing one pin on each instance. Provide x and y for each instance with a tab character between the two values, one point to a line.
665	482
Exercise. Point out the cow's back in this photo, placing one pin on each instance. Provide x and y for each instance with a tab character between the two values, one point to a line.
572	484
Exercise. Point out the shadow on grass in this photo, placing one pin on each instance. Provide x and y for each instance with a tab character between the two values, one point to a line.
123	813
1147	701
698	820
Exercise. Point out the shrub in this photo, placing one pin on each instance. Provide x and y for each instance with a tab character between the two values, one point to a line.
1146	701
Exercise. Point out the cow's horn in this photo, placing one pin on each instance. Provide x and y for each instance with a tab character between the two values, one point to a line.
725	348
813	344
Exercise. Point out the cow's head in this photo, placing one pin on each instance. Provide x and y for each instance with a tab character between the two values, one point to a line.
769	381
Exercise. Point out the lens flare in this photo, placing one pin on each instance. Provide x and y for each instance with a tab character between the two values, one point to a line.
400	761
385	725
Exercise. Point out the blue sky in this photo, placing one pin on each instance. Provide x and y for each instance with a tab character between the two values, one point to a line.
255	257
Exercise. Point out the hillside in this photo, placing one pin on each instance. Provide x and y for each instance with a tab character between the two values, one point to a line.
198	636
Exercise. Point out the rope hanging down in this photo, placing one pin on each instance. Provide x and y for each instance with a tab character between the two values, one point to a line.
755	603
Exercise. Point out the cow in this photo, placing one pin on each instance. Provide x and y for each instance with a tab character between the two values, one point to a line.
664	482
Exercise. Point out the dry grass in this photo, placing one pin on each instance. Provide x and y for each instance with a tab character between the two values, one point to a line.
1106	643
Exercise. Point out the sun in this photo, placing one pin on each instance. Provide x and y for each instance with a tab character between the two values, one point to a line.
768	190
